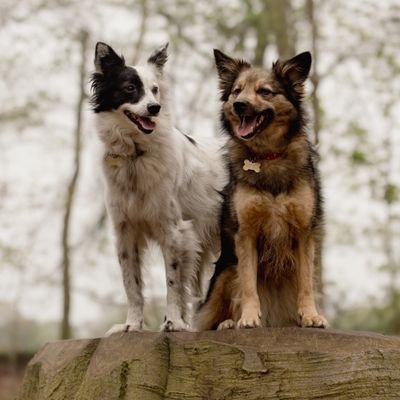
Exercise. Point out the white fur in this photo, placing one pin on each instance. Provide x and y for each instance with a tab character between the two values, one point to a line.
169	194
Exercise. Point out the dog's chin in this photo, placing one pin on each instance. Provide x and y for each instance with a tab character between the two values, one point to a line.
144	124
250	126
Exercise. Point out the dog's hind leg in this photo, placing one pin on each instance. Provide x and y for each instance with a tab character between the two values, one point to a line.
202	275
180	250
130	251
219	311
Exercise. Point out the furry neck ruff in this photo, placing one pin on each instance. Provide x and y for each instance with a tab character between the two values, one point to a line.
253	164
115	160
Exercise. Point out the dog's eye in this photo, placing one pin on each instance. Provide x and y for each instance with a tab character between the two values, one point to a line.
264	91
155	90
237	91
130	88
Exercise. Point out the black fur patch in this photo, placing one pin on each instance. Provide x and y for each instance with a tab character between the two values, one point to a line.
228	70
228	228
191	140
159	57
114	88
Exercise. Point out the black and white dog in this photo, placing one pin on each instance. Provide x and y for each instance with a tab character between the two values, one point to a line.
161	185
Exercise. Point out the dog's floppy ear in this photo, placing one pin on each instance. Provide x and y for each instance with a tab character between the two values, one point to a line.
106	59
294	72
228	70
159	57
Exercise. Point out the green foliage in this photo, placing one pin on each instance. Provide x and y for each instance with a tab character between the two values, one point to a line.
391	194
357	130
383	318
358	157
20	334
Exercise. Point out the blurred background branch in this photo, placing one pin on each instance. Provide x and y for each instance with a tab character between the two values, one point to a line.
71	191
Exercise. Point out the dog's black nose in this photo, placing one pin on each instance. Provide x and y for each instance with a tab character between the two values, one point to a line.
241	107
153	108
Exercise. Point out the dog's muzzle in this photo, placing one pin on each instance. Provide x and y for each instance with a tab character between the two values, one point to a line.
252	122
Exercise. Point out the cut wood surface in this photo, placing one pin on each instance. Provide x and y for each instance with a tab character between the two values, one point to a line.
265	363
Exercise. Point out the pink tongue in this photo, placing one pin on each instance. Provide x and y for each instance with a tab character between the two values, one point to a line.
147	123
246	127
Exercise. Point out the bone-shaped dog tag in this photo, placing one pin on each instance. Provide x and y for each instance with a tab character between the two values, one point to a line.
251	166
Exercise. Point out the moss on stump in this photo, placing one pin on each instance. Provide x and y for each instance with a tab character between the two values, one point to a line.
286	363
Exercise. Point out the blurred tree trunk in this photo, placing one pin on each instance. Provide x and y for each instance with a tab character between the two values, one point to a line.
281	13
71	189
262	31
389	198
314	77
316	112
271	24
144	11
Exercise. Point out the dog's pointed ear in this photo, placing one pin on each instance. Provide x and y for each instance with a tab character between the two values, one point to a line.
159	57
106	59
294	72
228	70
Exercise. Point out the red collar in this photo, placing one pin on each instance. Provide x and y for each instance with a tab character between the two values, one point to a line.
267	157
271	156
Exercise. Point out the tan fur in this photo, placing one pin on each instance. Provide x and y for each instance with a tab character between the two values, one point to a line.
277	282
276	211
279	219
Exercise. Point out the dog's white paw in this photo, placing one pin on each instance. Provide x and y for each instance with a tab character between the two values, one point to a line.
250	319
174	325
123	328
312	320
227	324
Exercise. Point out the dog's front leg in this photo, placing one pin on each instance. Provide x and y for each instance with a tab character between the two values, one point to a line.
246	250
130	259
179	250
174	316
306	308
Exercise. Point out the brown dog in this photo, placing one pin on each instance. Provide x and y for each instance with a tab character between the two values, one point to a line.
272	217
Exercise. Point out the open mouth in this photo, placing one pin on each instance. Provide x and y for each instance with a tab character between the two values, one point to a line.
145	124
250	125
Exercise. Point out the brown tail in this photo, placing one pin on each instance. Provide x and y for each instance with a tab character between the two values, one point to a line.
218	306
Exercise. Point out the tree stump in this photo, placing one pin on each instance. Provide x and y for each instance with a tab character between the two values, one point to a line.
265	363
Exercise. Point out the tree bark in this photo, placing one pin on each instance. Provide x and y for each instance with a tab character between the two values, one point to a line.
266	363
71	189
